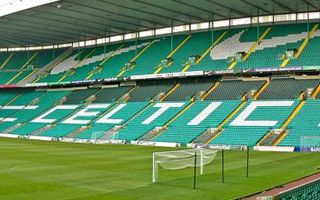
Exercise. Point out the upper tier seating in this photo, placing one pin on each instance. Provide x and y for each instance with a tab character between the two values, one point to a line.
89	63
117	56
3	57
275	44
219	57
118	59
6	76
149	61
310	55
18	65
110	61
195	46
287	88
18	60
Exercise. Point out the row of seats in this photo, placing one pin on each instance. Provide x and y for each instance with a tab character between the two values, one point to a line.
310	191
288	88
234	89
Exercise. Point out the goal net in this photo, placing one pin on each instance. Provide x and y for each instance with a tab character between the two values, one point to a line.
175	160
308	142
97	136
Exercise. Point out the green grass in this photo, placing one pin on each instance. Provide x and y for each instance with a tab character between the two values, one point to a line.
48	170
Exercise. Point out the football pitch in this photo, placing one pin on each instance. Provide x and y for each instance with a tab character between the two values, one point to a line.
40	170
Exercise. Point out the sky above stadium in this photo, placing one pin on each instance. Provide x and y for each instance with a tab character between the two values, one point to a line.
11	6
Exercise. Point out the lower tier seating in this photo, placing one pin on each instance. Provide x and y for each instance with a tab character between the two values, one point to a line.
305	124
234	89
288	88
84	112
248	130
150	119
201	116
124	113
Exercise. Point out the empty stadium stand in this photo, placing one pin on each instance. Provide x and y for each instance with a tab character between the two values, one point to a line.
238	91
237	48
201	110
16	66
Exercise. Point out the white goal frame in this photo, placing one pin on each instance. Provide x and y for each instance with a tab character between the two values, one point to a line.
205	156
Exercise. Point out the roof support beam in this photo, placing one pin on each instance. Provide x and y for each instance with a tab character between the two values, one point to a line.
25	28
310	4
172	10
90	24
257	7
226	7
283	6
94	9
202	9
134	17
146	12
63	24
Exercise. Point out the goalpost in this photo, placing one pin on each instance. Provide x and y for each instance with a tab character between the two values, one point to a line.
101	135
175	160
97	136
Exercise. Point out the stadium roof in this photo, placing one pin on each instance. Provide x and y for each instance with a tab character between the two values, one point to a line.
66	21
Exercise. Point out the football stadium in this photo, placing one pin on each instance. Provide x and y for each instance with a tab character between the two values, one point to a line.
160	99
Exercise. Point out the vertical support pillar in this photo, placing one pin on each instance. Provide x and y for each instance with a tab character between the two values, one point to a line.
137	38
272	19
153	169
248	157
308	21
258	27
78	51
28	51
105	44
195	171
212	27
201	162
53	53
222	165
171	47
